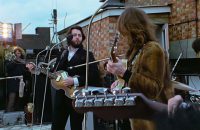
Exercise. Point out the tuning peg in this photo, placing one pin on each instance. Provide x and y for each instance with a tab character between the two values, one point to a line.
98	101
89	102
130	101
79	102
119	101
126	90
109	102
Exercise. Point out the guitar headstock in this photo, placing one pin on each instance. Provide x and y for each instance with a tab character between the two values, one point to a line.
10	56
114	47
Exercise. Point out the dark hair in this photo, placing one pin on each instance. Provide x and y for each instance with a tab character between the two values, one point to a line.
78	28
196	45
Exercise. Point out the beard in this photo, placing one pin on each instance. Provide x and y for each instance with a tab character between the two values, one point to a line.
75	45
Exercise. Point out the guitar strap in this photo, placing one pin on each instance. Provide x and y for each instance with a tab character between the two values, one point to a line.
132	61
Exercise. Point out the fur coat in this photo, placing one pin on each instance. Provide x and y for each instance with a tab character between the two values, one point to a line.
150	76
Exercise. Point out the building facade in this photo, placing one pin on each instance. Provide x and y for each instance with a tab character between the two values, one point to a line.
177	21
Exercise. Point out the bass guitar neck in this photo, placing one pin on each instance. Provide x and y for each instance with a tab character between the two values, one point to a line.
119	106
121	82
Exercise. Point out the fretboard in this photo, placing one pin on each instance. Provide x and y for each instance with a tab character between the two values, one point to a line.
42	70
20	60
50	74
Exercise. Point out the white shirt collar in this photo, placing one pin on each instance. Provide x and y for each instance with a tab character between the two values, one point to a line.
72	51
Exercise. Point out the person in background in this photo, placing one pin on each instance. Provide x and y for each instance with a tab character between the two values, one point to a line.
179	111
196	47
180	116
14	68
173	104
177	102
148	67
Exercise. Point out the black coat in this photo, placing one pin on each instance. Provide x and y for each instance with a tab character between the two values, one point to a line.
79	58
14	69
62	104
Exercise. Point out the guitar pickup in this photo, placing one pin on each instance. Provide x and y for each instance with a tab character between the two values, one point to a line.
58	78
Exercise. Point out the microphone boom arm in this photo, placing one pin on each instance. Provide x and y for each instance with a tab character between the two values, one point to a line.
71	67
13	77
176	64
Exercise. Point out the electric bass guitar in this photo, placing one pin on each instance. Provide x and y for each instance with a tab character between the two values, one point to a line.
57	78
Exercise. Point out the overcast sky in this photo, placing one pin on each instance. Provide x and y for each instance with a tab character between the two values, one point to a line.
38	13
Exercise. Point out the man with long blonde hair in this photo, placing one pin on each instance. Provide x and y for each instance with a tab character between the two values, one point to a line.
148	68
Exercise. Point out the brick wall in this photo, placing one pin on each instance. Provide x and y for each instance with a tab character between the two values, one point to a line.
182	25
146	2
182	19
102	37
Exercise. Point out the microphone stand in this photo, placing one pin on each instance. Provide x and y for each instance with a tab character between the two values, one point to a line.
46	80
88	38
35	81
176	63
87	56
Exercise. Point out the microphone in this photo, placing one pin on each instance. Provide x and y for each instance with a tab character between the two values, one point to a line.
68	38
55	16
47	48
21	87
65	42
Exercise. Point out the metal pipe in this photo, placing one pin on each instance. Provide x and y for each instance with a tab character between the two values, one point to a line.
13	77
